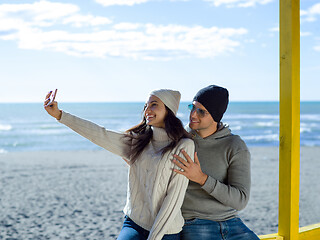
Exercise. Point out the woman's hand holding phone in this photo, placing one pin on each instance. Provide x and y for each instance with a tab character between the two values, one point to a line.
51	106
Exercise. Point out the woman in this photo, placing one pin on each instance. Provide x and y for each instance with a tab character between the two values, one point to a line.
155	192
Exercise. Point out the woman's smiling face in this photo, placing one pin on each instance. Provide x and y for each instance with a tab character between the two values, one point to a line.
155	112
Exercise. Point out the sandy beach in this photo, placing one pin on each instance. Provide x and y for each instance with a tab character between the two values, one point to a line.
80	195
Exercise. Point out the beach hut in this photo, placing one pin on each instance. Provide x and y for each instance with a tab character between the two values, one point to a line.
289	149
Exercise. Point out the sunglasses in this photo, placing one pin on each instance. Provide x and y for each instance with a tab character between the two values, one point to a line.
200	112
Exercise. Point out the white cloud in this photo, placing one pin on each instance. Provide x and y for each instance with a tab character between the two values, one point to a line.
238	3
305	34
217	3
41	13
274	29
315	9
108	3
310	15
46	14
28	26
86	20
303	12
126	26
149	42
317	48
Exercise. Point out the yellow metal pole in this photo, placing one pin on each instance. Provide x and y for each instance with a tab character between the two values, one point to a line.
289	151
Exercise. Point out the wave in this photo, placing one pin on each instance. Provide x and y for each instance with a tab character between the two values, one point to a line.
303	117
267	124
305	129
267	137
50	126
252	116
5	127
236	128
310	117
308	124
2	151
49	132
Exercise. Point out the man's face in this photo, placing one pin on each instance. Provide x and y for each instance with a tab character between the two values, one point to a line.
203	124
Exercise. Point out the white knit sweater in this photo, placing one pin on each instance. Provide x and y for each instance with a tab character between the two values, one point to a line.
155	193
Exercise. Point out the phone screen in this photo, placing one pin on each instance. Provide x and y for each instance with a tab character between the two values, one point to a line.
52	97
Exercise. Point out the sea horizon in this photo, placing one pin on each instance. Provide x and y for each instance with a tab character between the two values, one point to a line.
27	126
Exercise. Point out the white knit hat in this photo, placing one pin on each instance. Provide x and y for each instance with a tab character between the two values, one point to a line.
170	98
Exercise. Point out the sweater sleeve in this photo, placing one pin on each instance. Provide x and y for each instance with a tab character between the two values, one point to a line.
109	140
236	192
172	203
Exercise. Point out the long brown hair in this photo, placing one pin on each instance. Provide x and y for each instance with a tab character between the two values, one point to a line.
139	136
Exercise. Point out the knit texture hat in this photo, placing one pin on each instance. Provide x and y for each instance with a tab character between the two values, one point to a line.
215	99
170	98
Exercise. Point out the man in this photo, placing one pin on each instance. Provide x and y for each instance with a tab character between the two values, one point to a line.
219	184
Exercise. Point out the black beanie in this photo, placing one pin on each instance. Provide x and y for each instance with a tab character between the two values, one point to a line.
215	99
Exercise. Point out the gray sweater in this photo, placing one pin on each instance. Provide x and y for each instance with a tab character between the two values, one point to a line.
225	158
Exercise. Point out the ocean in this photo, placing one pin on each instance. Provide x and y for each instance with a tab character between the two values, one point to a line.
27	126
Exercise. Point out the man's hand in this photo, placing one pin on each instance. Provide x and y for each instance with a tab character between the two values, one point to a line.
191	170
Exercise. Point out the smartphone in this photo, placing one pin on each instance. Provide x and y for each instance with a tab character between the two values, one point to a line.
52	98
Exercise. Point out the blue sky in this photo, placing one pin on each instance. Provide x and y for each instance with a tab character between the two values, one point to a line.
120	50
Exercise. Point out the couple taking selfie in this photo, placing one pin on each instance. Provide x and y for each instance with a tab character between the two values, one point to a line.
183	183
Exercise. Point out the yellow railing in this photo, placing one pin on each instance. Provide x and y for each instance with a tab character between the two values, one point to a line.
271	237
289	150
311	232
